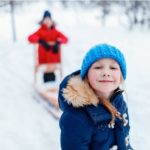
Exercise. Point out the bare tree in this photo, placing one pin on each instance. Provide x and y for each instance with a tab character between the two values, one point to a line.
13	20
12	4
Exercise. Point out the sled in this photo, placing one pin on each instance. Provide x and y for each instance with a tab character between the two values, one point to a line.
47	103
47	93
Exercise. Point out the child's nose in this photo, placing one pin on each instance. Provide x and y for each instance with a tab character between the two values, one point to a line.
106	73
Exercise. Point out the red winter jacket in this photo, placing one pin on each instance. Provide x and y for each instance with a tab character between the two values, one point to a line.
49	35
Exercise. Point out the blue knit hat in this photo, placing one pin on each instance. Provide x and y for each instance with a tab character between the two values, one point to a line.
103	51
46	14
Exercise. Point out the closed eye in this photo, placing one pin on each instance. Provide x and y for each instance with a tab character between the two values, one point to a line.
114	68
97	67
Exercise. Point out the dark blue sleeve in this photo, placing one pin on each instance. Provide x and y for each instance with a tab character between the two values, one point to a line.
127	130
75	130
123	126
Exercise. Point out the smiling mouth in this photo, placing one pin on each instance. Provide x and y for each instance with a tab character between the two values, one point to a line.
105	81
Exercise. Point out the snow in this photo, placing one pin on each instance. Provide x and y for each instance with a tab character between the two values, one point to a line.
24	123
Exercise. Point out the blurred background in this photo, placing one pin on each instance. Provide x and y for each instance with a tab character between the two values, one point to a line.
126	24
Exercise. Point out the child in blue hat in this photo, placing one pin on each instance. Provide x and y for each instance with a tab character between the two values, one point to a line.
95	115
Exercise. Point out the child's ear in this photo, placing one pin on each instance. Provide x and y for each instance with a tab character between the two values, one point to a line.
121	79
86	79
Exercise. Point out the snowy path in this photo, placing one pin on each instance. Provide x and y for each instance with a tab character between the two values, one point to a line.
24	123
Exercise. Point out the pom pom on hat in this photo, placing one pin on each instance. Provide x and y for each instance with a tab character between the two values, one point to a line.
103	51
46	14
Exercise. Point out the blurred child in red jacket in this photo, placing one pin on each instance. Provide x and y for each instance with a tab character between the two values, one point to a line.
49	41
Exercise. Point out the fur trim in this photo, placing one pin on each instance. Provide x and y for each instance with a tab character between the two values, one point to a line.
78	93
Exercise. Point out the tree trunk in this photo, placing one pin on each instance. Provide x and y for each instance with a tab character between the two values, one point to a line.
13	20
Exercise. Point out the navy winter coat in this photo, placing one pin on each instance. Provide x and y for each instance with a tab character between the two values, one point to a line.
84	122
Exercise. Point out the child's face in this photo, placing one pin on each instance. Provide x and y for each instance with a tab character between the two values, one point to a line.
104	76
47	21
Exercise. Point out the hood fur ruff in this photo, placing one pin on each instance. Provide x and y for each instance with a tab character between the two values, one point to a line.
79	93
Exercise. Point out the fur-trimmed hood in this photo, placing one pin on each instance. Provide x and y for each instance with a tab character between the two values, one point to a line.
78	93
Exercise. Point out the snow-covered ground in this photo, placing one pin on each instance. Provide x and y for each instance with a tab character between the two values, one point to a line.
24	124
